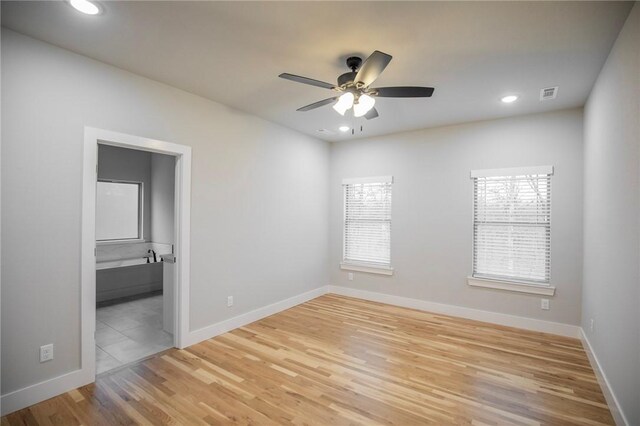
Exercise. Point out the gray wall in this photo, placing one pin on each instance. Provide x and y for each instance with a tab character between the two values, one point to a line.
431	237
246	169
611	293
244	243
128	164
163	168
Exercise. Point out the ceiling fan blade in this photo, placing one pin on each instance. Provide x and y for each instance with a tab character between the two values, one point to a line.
305	80
317	104
404	92
372	68
373	113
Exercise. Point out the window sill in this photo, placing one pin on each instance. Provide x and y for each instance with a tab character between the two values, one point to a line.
382	270
511	286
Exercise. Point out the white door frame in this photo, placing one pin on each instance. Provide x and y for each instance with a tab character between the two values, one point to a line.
93	137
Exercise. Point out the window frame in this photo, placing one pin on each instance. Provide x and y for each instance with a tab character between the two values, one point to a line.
140	237
516	284
360	266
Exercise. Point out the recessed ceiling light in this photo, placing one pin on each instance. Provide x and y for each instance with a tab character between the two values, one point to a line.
509	99
344	128
85	6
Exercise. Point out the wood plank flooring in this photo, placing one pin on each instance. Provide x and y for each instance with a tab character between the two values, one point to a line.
338	361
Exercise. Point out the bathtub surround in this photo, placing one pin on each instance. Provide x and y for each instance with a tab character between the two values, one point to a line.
120	281
127	299
124	251
122	269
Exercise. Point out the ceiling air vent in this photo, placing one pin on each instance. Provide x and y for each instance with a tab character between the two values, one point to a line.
548	93
326	131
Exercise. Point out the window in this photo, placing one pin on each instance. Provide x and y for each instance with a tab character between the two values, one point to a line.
367	224
118	211
512	224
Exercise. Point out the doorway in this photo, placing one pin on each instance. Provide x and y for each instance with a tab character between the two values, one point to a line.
135	271
135	235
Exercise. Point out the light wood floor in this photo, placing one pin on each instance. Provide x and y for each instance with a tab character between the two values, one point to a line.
336	360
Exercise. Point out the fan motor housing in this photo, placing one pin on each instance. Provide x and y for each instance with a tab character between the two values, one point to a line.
354	62
346	78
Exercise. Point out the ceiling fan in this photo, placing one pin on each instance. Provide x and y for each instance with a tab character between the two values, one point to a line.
355	87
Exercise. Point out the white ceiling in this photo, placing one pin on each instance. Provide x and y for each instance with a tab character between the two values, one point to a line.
232	52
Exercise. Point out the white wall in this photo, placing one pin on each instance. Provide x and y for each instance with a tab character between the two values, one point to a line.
611	293
243	242
431	237
129	164
163	169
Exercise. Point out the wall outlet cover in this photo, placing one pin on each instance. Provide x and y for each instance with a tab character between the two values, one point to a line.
350	276
46	352
544	304
229	301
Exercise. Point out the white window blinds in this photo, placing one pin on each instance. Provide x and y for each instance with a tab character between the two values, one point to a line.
512	224
367	221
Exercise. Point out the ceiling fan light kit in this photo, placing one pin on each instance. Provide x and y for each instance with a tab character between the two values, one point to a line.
364	104
355	86
344	103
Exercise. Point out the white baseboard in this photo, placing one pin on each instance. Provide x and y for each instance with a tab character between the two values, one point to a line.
222	327
38	392
42	391
612	401
48	389
460	311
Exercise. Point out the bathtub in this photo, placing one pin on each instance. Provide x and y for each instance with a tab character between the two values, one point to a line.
117	263
126	277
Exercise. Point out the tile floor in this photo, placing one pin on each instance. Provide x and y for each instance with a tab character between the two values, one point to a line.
129	331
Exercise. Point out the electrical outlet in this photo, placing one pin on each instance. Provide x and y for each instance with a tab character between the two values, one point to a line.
544	304
350	276
592	324
46	352
229	301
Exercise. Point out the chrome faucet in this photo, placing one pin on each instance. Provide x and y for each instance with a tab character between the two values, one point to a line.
155	259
